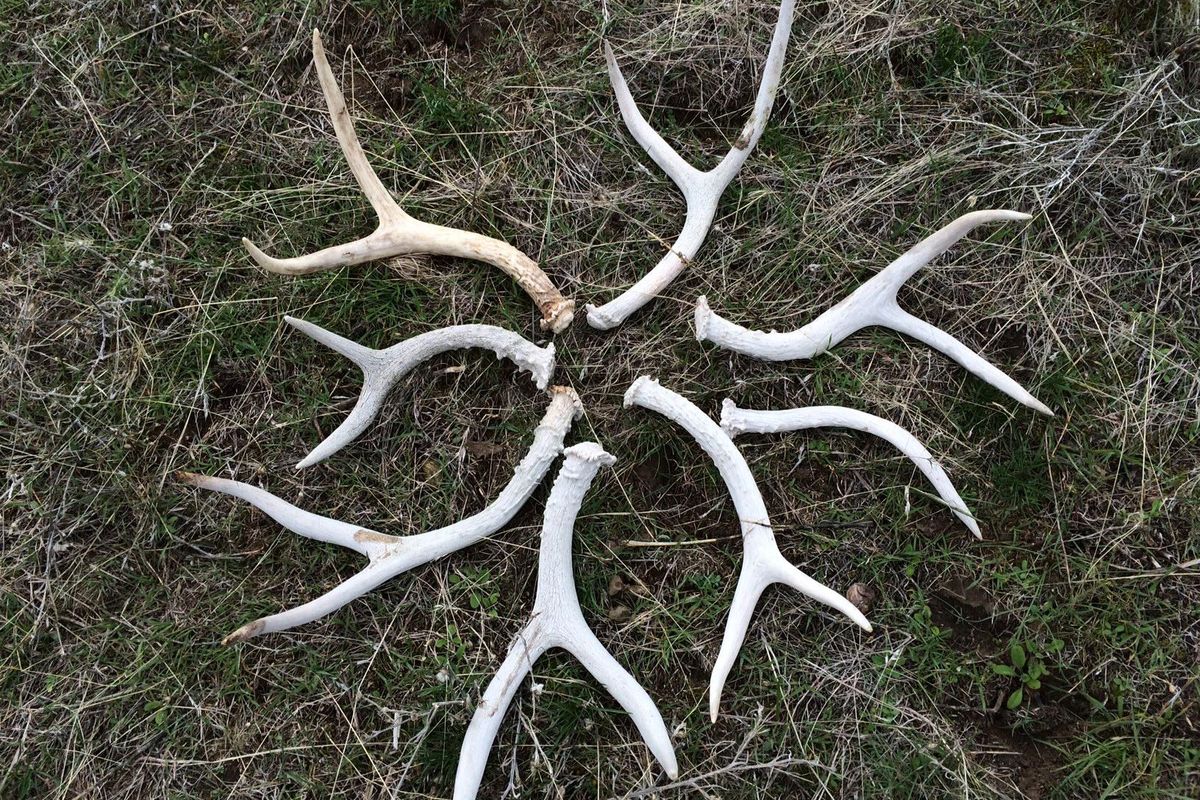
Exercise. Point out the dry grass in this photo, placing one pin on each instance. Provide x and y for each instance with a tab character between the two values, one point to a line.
143	140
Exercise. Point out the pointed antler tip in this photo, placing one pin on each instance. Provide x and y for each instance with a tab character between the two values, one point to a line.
190	478
248	631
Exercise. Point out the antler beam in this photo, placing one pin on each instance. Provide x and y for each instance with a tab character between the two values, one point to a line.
762	563
873	303
389	556
701	190
399	234
382	369
736	420
556	621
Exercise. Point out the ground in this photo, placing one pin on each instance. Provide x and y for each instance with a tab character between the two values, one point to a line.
142	140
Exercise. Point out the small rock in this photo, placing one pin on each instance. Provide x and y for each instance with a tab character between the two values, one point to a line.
619	613
862	596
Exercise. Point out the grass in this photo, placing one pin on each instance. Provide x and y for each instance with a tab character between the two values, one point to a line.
141	141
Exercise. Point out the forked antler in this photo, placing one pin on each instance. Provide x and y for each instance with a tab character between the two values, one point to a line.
391	555
762	563
873	303
736	420
701	190
556	621
383	368
399	234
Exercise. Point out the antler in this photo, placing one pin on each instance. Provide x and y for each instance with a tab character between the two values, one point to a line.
701	190
556	621
399	234
762	563
736	420
383	368
391	555
873	303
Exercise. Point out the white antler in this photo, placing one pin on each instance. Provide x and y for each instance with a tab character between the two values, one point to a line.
701	190
399	234
736	420
873	303
391	555
383	368
556	621
762	563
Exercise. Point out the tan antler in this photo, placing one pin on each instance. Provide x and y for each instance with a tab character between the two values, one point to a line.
399	234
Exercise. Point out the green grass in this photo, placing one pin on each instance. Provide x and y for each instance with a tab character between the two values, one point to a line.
143	141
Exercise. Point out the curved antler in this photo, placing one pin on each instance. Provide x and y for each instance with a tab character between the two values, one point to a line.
556	621
736	420
701	190
873	303
383	368
399	234
762	563
391	555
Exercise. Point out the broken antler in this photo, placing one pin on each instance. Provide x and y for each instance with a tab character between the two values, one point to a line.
736	420
383	368
399	234
762	563
391	555
701	190
556	621
873	303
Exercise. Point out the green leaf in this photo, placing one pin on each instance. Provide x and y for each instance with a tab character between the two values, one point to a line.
1034	684
1015	699
1016	654
1004	669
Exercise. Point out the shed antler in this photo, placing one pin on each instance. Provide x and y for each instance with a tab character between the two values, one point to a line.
399	234
701	190
391	555
736	420
383	368
762	563
873	303
556	621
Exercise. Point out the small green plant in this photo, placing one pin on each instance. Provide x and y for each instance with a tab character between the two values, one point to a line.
476	583
1025	665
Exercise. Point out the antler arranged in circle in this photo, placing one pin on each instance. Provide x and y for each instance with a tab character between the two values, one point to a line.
383	368
389	556
701	190
556	621
399	234
873	303
762	563
736	420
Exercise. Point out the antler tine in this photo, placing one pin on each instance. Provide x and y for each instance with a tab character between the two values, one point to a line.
382	369
762	563
701	190
400	234
392	555
343	126
736	420
297	520
557	621
872	303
